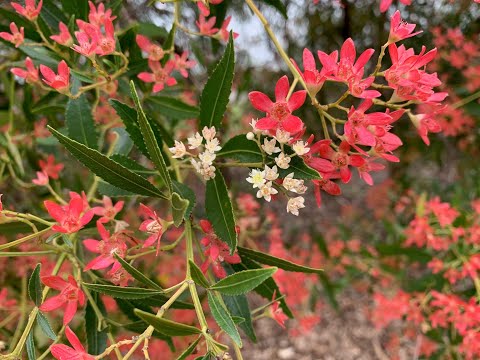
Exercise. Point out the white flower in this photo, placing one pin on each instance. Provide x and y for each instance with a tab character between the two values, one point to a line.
195	141
196	165
208	134
208	172
271	174
266	191
213	145
282	161
294	204
300	148
282	136
250	136
256	178
207	157
253	124
269	146
178	150
294	185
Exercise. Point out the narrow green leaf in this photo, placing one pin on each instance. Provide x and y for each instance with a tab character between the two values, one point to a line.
122	292
137	275
167	327
243	281
189	350
197	275
186	193
220	211
223	318
45	326
109	170
241	149
217	90
79	122
153	146
173	108
35	286
31	346
179	208
96	340
266	259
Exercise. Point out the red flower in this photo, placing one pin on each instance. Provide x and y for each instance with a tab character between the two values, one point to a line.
154	51
341	159
279	113
107	247
87	39
71	217
50	168
206	27
16	37
224	33
106	41
160	76
182	64
64	352
365	169
64	37
30	75
313	78
276	312
108	210
385	4
425	123
327	185
29	11
399	29
153	226
70	296
98	16
60	81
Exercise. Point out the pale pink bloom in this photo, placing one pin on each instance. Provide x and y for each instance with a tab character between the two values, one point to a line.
154	51
29	11
64	37
98	16
30	75
16	36
42	179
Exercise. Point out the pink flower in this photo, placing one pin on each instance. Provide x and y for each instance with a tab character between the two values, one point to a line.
70	296
399	29
153	226
425	123
64	352
106	42
224	33
107	247
71	217
64	38
60	81
358	88
312	77
30	75
365	169
182	64
276	312
98	16
385	4
154	51
87	39
341	158
42	178
206	27
50	167
161	76
327	185
279	113
16	37
29	11
108	211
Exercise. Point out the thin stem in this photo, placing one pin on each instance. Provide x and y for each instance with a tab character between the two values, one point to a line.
466	100
24	239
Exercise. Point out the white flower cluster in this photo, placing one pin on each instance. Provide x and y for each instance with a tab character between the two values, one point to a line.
211	145
263	180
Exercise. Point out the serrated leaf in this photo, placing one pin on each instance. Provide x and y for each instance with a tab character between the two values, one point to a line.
31	346
241	149
223	318
137	275
35	286
243	281
167	327
151	143
173	108
217	90
189	350
283	264
197	275
107	169
123	292
79	122
179	208
219	210
186	193
96	340
45	326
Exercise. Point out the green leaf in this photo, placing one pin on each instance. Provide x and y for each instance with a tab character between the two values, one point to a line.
109	170
217	90
124	144
79	122
79	8
167	327
151	142
137	275
300	169
266	259
96	340
329	290
31	346
220	211
241	149
223	318
122	292
52	14
189	350
179	208
243	281
186	193
45	326
35	286
197	275
173	108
